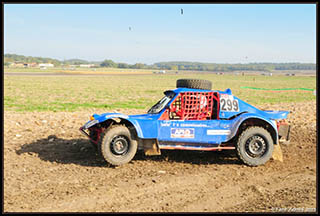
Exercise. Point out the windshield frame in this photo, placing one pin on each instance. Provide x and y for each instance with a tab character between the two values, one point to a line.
162	103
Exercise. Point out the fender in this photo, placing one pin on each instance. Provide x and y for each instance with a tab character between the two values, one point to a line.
241	118
105	116
117	117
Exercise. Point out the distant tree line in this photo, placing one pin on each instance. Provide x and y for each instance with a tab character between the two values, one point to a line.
174	65
29	59
198	66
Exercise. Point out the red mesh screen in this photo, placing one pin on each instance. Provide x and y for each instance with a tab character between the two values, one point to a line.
193	106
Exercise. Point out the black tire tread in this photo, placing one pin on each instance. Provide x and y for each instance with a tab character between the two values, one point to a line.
238	147
104	138
194	83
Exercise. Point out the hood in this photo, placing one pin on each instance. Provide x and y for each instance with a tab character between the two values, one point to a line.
144	116
105	116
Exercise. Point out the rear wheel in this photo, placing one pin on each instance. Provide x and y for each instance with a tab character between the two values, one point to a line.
254	146
117	146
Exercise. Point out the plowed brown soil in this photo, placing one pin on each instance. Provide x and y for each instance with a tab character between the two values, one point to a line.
49	166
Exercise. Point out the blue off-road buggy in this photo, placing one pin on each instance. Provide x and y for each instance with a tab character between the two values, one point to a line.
190	117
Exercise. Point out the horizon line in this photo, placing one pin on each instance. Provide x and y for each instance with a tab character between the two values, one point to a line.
161	61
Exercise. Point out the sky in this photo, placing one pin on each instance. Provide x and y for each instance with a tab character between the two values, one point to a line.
149	33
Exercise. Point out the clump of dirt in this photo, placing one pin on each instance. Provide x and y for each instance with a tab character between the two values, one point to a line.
49	166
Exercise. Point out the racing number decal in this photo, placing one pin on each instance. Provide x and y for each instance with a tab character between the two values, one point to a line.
228	103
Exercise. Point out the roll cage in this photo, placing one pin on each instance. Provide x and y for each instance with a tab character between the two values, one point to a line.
193	105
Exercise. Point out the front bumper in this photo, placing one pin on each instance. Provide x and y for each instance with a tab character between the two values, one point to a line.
98	131
86	126
82	130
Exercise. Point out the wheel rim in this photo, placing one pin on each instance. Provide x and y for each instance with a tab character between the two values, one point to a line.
119	145
256	146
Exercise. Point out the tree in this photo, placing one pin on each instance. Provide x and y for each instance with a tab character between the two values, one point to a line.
123	65
138	66
109	63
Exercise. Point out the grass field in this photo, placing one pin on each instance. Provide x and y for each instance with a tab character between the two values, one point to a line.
71	93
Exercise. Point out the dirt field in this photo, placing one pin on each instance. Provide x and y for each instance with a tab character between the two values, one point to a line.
49	166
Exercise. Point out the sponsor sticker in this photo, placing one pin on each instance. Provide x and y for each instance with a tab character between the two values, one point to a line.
165	124
182	132
218	132
193	125
226	96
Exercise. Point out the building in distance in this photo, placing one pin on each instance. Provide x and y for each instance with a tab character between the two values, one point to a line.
87	65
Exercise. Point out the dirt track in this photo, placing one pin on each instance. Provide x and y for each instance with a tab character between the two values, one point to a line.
50	167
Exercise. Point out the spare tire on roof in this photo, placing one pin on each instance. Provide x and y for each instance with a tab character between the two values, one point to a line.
194	83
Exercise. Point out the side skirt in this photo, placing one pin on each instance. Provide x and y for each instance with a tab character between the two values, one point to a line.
195	146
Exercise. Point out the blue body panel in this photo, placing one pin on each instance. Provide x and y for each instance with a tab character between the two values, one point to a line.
148	126
208	131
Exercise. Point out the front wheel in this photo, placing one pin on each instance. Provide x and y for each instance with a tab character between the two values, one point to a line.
254	146
117	146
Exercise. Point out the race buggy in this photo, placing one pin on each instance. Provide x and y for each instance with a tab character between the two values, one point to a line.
190	117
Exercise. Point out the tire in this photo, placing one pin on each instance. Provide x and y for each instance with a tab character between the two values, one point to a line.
194	83
254	146
117	146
